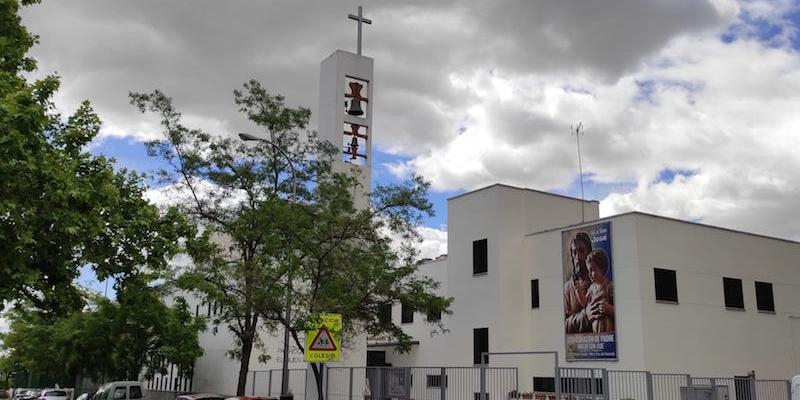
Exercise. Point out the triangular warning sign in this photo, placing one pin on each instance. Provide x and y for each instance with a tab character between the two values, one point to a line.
323	341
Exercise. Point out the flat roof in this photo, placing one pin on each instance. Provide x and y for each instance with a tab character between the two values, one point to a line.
520	188
664	218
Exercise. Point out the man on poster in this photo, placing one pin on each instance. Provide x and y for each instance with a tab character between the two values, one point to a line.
589	313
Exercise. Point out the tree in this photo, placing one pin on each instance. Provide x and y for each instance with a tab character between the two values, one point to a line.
115	340
62	208
286	225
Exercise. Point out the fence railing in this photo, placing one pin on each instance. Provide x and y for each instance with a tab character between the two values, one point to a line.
464	383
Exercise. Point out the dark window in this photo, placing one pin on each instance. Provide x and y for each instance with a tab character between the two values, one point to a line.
435	380
376	358
208	314
406	314
135	392
434	316
385	313
764	299
480	263
733	293
544	384
197	310
480	344
534	293
666	284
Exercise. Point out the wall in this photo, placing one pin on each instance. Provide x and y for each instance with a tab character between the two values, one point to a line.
699	335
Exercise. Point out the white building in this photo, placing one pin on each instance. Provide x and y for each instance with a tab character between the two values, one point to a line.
520	296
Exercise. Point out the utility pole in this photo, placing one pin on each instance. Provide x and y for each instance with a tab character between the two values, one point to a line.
578	132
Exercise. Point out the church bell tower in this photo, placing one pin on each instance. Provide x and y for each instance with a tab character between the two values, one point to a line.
345	112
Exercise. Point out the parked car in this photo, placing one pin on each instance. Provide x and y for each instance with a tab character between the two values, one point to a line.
84	396
200	396
251	398
27	394
56	394
123	390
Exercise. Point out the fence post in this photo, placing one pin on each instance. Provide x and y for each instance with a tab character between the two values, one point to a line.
649	383
558	380
443	383
714	387
606	386
483	381
350	391
688	380
752	386
788	390
253	386
325	377
269	384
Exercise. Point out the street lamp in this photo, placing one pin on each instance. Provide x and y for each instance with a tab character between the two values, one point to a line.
285	366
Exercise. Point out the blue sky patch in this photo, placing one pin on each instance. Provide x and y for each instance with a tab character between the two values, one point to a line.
667	175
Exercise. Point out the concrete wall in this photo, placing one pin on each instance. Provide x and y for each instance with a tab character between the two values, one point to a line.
699	335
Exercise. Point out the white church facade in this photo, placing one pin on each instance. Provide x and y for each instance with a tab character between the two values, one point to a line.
660	295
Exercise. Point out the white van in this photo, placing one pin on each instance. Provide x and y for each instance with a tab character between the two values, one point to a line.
124	390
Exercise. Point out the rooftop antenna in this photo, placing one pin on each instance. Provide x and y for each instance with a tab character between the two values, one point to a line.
578	132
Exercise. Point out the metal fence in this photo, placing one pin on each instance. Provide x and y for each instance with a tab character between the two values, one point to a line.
601	384
464	383
268	382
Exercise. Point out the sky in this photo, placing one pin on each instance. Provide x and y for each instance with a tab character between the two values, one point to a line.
687	106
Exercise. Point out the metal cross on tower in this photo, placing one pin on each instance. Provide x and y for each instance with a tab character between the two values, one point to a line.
360	20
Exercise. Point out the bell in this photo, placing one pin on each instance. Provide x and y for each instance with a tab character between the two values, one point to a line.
355	108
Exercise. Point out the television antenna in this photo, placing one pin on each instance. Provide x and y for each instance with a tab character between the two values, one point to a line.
578	131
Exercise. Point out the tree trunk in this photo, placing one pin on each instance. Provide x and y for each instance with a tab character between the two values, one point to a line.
244	363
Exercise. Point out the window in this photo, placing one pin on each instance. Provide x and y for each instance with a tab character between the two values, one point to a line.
135	392
733	293
119	393
435	381
534	293
434	316
208	314
385	313
406	314
666	285
197	310
480	263
480	345
544	384
764	299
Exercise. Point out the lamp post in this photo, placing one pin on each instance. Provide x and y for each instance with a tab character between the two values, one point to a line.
285	395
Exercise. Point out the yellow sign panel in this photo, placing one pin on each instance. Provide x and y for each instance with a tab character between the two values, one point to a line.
323	339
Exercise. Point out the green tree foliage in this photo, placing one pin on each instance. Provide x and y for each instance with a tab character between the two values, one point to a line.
61	207
285	224
111	340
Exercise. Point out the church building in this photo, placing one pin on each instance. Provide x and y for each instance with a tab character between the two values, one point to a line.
532	271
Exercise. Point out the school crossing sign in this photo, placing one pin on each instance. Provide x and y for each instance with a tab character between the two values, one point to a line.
323	339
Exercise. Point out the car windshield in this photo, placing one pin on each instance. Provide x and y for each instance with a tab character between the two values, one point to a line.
59	393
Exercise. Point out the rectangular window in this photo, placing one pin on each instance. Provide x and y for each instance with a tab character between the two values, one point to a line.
764	299
208	314
666	285
733	293
435	380
406	314
435	316
480	262
534	293
480	345
135	392
544	384
385	313
197	310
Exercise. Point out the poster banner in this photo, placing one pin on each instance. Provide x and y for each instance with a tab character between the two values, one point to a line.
589	318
